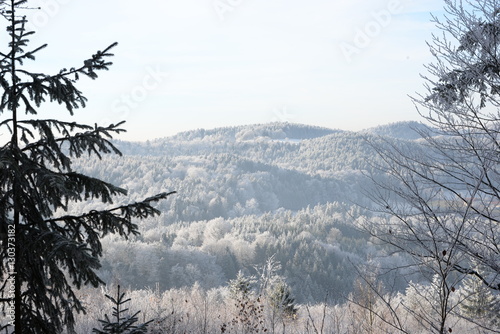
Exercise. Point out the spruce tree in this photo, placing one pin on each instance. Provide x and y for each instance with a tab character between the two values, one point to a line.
480	304
46	255
120	322
241	286
282	301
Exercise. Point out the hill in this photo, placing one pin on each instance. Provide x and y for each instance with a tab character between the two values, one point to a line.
245	194
409	130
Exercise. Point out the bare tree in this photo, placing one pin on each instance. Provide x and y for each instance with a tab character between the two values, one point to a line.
440	203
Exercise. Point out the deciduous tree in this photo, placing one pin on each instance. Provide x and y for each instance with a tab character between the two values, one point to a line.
442	201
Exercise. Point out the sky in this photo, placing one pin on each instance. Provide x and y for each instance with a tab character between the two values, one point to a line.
188	64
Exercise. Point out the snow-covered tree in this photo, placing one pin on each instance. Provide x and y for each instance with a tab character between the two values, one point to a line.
249	309
479	303
443	198
46	253
282	301
240	288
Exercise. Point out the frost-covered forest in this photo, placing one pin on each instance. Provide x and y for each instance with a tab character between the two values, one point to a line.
286	193
243	195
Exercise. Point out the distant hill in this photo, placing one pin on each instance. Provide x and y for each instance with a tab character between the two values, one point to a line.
410	130
244	194
276	131
308	149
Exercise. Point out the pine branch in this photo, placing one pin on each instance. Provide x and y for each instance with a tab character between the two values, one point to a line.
115	220
91	141
58	88
58	139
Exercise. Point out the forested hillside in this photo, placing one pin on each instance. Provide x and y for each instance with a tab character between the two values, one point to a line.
245	194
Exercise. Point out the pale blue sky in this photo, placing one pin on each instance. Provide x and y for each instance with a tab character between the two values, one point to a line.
187	64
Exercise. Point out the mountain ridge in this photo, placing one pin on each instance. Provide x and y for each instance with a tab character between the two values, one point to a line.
304	131
287	133
245	194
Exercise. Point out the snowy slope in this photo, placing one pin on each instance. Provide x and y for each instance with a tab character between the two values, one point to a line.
243	194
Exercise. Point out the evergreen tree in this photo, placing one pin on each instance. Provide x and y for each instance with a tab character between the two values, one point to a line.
241	286
282	301
121	323
479	304
46	256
